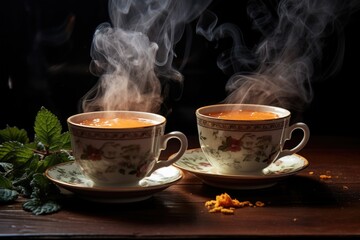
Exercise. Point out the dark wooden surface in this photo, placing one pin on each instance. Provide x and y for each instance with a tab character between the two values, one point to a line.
301	206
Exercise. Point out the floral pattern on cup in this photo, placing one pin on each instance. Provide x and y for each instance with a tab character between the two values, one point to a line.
121	155
245	145
128	160
194	160
248	147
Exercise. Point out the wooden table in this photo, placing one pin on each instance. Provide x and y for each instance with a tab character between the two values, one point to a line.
303	205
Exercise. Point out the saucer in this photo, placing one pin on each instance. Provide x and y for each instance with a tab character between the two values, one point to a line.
195	162
68	176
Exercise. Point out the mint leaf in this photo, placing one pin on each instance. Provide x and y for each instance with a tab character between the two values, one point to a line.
43	197
43	188
23	163
48	129
13	134
38	207
52	160
65	141
5	167
15	152
8	195
22	183
5	182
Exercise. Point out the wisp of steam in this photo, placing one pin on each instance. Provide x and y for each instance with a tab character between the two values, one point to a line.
133	52
279	70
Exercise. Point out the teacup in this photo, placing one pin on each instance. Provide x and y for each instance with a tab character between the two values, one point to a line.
243	139
119	148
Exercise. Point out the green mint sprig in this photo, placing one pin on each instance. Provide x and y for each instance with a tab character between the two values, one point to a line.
23	163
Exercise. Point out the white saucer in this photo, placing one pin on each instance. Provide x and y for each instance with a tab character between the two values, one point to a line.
68	176
195	162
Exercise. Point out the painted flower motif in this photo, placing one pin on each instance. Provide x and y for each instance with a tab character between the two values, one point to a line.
91	153
248	143
230	144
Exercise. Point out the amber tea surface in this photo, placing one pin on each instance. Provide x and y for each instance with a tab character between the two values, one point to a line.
118	122
243	115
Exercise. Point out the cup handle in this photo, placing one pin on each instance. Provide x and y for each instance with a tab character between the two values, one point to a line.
287	136
163	143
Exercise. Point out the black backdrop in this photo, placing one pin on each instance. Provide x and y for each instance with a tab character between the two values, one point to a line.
46	54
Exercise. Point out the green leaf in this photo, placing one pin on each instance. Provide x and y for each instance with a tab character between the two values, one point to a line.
52	160
65	141
15	153
44	196
22	182
7	151
13	134
5	167
23	163
47	128
38	207
8	195
5	182
43	188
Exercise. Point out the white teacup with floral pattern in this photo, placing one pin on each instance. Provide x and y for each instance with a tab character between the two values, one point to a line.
245	147
121	155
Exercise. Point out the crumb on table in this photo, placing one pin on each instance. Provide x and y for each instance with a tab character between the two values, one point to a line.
324	176
225	204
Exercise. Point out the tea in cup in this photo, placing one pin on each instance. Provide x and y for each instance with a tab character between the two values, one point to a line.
119	148
243	139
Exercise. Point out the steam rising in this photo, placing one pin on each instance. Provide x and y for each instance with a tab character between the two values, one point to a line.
132	52
280	69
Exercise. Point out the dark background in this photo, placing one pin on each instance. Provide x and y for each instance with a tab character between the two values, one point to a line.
46	54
